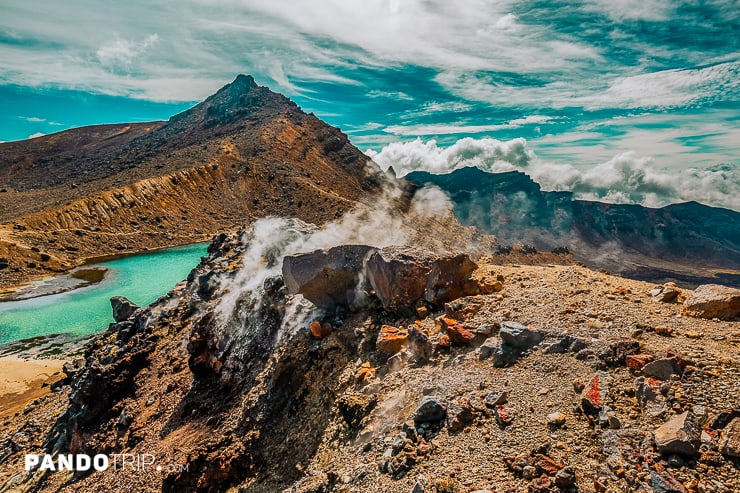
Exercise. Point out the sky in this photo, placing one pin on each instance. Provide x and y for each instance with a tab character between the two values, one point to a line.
618	100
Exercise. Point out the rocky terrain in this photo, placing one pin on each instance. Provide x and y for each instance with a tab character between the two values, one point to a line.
243	153
689	243
346	333
407	371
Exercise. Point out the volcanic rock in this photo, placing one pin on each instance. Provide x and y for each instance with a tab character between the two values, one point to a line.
457	333
637	361
327	278
616	353
391	339
568	344
713	301
432	409
645	391
665	483
592	397
662	368
679	435
122	308
449	279
519	336
667	293
488	347
403	277
505	355
731	439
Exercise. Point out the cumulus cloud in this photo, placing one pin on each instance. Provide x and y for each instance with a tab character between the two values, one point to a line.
37	134
486	153
626	178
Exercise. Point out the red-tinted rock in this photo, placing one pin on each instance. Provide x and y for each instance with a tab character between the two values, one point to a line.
458	334
402	277
665	483
542	484
637	361
592	397
546	465
504	415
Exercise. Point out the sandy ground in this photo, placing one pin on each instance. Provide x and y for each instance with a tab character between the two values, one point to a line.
22	380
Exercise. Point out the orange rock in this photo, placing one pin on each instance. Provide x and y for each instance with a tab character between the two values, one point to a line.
319	330
366	374
391	339
457	333
488	285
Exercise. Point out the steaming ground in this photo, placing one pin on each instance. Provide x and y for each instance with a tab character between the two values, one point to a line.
425	221
627	178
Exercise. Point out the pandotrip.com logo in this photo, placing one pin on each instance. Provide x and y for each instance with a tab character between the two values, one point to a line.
100	462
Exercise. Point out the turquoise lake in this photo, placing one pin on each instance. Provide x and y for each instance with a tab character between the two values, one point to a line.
140	278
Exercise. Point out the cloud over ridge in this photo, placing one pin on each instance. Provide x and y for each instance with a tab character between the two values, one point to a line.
627	178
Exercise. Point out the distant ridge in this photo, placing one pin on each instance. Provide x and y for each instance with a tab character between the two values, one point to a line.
689	242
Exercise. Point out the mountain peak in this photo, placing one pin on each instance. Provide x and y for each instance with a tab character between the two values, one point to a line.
243	82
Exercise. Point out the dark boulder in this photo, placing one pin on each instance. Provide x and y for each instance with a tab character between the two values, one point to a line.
327	278
122	308
432	409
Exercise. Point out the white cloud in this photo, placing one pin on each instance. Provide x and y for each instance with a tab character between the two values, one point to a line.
37	134
32	119
620	10
668	88
435	107
486	153
288	42
121	53
449	129
394	95
663	89
625	178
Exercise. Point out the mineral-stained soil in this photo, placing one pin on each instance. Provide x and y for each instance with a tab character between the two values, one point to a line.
244	400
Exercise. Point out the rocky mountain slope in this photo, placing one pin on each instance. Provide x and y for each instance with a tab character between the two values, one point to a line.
416	372
243	153
688	242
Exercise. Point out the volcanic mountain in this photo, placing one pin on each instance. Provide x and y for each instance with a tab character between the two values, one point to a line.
687	242
244	152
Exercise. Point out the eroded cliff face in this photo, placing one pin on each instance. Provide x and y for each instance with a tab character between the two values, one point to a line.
242	154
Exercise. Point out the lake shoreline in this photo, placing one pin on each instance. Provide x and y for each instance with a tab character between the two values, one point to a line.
77	304
84	274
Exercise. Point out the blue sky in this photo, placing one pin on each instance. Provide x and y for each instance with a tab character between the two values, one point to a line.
619	100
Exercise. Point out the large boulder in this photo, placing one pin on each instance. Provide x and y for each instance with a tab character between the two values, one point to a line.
327	278
404	277
713	301
122	308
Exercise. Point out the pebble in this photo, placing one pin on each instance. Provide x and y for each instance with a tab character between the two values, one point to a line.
556	419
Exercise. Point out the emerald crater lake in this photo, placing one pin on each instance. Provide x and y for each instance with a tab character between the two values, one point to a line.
86	310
